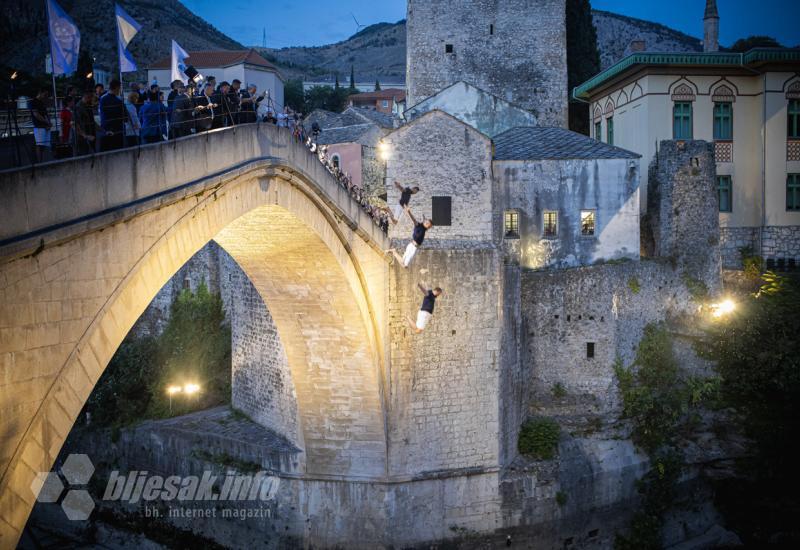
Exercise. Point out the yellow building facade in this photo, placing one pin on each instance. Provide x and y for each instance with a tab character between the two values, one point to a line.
747	104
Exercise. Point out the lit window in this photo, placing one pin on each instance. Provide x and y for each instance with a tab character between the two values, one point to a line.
793	130
511	224
725	191
385	103
550	218
723	121
448	48
587	223
610	130
682	120
793	192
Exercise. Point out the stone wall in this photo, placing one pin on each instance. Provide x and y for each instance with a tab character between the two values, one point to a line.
514	49
781	242
443	407
732	240
261	382
683	208
446	158
608	306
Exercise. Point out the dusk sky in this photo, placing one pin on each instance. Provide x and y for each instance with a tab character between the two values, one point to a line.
319	22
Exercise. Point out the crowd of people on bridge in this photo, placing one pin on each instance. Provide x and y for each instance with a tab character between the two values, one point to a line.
101	120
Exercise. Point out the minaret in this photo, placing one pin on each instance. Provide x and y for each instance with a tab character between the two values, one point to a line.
711	27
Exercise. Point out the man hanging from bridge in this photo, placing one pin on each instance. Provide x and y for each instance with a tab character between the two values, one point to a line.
426	311
405	199
417	238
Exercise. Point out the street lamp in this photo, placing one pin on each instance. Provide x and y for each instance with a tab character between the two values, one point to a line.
172	390
725	307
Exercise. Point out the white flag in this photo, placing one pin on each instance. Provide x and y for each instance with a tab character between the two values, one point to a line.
179	56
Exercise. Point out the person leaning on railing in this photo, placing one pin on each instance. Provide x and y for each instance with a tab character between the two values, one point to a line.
85	125
181	121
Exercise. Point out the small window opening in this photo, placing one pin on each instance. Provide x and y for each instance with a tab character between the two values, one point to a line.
186	284
491	29
587	223
550	229
442	211
448	48
590	350
511	224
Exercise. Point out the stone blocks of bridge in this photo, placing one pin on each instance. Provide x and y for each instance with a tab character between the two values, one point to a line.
65	309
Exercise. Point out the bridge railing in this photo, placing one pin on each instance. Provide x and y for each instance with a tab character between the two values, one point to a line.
55	196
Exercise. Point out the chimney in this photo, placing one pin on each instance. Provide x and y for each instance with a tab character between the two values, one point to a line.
711	27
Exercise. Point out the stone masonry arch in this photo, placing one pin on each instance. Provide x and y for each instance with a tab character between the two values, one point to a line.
67	305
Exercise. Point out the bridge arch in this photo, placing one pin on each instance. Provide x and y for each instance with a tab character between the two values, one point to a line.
68	306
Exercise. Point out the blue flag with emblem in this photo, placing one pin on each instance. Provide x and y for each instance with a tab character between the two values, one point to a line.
65	39
127	28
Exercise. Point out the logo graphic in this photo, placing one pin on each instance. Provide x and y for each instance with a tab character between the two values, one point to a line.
77	470
136	486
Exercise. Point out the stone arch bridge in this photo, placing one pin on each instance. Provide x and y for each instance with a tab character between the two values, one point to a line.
86	244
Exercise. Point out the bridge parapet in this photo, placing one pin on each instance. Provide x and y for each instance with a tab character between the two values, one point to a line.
58	199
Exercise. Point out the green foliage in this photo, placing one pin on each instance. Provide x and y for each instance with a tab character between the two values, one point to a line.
226	460
352	80
538	438
583	58
633	284
294	96
377	85
561	498
757	352
195	347
558	390
123	392
658	493
751	263
757	41
697	288
325	97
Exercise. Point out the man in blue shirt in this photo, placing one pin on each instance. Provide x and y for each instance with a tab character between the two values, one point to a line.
154	119
426	311
417	238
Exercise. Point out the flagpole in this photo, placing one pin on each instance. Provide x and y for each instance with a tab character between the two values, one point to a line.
52	74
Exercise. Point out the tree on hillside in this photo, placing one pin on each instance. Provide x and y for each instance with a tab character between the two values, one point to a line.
583	58
377	85
352	80
336	87
294	95
745	44
325	97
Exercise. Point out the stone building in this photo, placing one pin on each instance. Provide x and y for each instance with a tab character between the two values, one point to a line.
514	49
747	104
555	198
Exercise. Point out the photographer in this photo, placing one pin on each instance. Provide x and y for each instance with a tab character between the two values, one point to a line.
249	104
204	109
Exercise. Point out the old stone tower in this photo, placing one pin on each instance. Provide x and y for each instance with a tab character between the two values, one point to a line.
514	49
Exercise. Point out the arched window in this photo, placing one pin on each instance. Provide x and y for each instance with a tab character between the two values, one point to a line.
336	162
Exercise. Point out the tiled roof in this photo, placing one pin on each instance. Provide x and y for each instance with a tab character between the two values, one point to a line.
381	119
344	134
390	93
544	143
218	58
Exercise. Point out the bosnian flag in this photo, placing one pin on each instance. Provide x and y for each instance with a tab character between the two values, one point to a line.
65	39
126	30
179	56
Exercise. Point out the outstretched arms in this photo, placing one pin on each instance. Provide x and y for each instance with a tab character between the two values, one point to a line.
410	215
422	288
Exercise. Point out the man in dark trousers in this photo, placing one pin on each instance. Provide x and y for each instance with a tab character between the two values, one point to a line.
234	100
426	311
181	120
113	115
417	238
249	104
223	116
85	126
405	199
205	109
